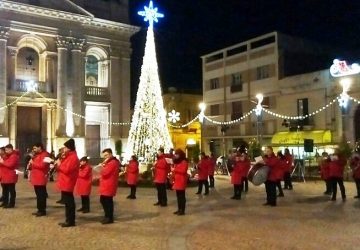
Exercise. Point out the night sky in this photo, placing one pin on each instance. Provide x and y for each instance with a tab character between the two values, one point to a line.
192	28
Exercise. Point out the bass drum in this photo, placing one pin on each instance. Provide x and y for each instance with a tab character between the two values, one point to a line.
258	174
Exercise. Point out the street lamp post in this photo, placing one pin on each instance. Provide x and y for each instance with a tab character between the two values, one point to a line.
258	112
343	103
202	107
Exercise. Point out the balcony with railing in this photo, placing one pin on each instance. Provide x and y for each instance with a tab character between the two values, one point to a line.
97	94
26	85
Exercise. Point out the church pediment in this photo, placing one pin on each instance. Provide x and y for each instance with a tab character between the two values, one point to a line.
59	5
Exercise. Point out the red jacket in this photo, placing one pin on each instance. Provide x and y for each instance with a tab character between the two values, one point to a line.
336	168
240	171
68	172
289	163
109	176
11	162
275	168
162	169
39	169
283	165
203	168
132	172
324	169
212	166
180	175
84	180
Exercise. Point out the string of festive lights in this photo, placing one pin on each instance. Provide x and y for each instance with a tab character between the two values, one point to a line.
184	125
302	117
230	122
15	101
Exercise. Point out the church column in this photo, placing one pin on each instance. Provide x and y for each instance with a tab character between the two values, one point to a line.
62	79
78	86
125	91
12	68
4	35
115	90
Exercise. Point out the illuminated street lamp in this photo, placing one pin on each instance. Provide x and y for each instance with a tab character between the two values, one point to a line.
343	103
258	112
202	107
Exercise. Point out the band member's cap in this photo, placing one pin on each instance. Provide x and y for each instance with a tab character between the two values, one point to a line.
85	158
70	144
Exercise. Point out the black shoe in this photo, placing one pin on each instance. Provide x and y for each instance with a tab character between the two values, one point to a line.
107	221
280	195
197	193
60	202
273	205
66	224
344	198
9	206
80	209
163	205
285	188
233	197
39	214
206	193
128	197
85	211
237	198
356	197
1	199
176	212
3	204
333	199
132	198
157	204
181	213
266	204
290	188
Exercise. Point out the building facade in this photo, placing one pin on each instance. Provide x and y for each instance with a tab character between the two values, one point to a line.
64	73
289	72
187	138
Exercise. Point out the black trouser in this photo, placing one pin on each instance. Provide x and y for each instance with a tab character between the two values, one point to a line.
278	184
40	192
357	183
212	181
108	206
287	181
334	181
270	187
237	190
328	186
85	202
9	194
69	201
201	183
161	193
51	174
245	184
2	192
181	199
132	191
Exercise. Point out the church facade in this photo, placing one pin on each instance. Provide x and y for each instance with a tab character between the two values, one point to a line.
64	72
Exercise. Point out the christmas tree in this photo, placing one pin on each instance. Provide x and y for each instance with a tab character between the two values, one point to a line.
148	130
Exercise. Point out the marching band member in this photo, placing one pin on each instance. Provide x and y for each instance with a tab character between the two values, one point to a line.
203	172
162	168
39	168
289	163
281	172
2	155
68	171
83	184
324	172
9	177
270	185
180	180
109	176
336	173
239	172
212	170
132	176
355	166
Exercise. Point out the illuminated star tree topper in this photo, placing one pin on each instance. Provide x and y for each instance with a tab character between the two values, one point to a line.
150	14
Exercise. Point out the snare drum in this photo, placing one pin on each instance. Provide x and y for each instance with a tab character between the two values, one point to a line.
258	174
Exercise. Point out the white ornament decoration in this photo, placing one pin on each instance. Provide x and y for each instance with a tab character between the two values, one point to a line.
173	116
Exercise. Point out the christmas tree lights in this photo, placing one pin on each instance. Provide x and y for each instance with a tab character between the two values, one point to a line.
148	130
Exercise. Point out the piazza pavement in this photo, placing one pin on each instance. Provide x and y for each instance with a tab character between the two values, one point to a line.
303	219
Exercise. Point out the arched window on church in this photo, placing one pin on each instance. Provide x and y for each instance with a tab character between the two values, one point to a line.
27	68
96	68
